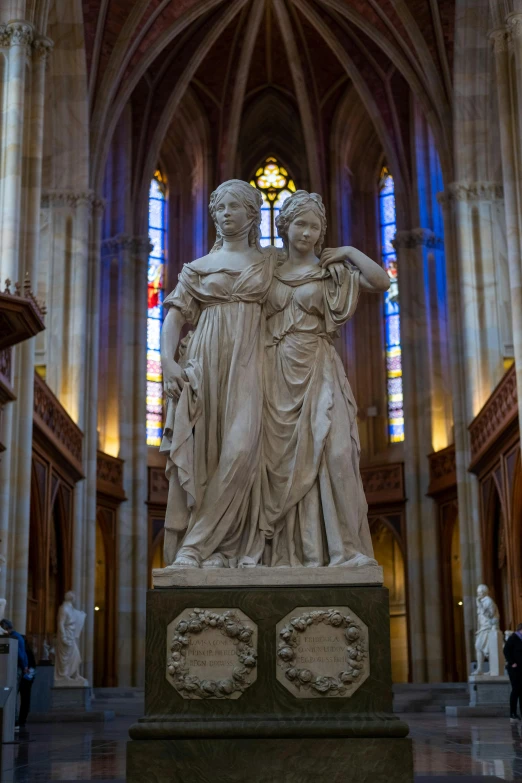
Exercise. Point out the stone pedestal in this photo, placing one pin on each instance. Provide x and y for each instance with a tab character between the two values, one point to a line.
71	704
488	698
496	654
71	699
269	682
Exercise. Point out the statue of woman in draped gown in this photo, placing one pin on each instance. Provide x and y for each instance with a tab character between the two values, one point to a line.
212	435
313	506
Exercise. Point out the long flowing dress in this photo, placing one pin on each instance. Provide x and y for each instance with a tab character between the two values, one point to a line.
212	435
313	505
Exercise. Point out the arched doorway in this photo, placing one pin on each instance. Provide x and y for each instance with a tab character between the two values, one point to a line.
104	673
389	555
454	641
500	583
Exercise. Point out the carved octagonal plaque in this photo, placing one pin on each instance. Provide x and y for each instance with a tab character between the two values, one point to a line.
211	653
322	652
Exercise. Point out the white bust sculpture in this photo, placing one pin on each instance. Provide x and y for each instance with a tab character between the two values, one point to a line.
489	639
67	654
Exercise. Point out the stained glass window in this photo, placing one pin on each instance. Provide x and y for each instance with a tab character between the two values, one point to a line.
157	257
392	321
275	184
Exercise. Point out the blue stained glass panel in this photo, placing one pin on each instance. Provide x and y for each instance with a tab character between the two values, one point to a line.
387	215
155	213
157	257
388	209
156	236
155	190
388	235
266	227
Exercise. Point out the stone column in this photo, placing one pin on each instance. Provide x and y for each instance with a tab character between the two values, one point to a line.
20	223
510	124
418	383
85	527
123	353
17	36
469	521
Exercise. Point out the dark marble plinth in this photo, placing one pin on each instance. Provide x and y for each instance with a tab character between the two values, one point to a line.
326	760
268	731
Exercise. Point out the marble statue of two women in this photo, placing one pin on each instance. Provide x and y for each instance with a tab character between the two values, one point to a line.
260	431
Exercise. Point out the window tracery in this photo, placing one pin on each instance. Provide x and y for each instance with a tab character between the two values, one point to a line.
276	185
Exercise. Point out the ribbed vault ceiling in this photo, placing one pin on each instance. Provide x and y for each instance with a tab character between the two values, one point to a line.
238	57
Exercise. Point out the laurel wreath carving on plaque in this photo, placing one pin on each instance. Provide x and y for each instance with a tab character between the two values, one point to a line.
230	625
304	678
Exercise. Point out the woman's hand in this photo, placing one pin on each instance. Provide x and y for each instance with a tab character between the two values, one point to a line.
334	255
173	378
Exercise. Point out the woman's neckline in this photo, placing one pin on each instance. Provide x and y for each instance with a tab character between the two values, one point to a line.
227	270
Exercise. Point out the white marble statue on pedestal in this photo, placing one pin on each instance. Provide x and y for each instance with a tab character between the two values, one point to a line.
269	478
67	655
489	640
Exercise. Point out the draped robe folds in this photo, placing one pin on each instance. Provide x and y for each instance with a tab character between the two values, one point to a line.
212	436
67	654
313	505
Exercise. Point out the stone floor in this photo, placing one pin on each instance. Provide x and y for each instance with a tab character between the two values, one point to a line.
463	750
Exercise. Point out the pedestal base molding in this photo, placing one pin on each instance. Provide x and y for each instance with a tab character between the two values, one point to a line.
240	679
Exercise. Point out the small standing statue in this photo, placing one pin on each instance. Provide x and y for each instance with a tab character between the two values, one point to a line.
67	654
489	639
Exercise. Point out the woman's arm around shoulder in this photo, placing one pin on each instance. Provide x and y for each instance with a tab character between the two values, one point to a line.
373	277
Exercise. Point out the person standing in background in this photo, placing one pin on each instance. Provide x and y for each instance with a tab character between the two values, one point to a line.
23	664
513	656
26	685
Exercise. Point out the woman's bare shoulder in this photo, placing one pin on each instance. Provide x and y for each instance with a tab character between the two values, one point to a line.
200	265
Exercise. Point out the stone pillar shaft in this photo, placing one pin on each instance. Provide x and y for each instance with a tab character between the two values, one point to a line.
423	566
469	522
510	125
17	36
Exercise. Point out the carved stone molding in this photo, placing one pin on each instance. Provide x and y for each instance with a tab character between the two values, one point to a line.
417	237
158	486
514	23
384	483
500	410
322	652
211	653
68	198
6	390
443	470
42	48
57	427
500	39
21	314
109	476
472	191
16	33
135	244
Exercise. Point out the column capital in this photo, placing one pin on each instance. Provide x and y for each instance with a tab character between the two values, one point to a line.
472	191
501	39
135	244
514	23
16	33
42	48
67	198
417	237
